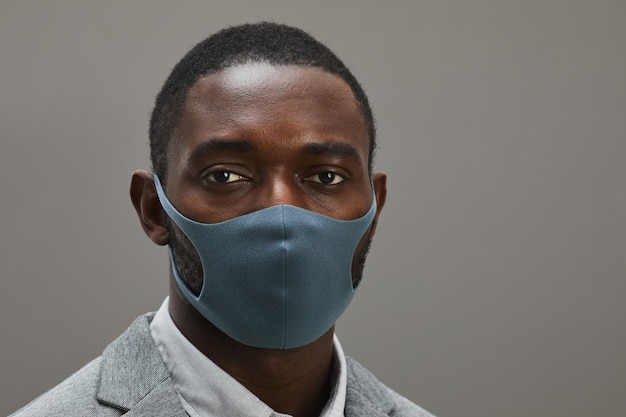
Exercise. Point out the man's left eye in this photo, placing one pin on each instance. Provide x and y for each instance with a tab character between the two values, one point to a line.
327	178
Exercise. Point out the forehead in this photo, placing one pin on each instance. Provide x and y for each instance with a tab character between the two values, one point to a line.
288	99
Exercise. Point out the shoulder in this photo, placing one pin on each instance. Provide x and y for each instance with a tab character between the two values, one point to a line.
367	396
84	392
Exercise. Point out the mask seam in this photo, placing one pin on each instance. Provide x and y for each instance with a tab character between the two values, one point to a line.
284	279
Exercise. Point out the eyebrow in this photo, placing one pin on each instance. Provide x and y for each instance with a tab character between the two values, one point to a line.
216	145
336	149
333	149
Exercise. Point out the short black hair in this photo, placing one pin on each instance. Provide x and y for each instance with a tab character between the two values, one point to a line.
274	43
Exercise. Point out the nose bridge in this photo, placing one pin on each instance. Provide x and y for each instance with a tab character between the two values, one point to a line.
282	189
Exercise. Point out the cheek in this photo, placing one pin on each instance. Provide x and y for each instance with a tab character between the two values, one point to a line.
196	204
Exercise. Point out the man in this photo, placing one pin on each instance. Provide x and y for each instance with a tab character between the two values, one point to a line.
262	144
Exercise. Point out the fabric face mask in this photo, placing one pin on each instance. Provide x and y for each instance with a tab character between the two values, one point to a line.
277	278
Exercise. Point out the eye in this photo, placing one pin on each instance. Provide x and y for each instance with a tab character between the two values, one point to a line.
327	178
224	176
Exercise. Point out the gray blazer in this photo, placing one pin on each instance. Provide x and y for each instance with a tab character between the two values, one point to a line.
131	379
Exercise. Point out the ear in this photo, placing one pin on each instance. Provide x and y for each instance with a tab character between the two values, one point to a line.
146	202
380	187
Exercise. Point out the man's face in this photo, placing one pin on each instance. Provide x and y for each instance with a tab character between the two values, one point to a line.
257	135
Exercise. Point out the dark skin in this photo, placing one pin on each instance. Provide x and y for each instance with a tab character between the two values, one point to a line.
253	136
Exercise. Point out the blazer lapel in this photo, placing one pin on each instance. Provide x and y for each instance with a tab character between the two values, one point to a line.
133	376
161	401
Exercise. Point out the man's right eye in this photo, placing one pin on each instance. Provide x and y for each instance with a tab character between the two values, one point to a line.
224	176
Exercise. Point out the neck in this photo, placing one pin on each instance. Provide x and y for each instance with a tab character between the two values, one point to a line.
291	381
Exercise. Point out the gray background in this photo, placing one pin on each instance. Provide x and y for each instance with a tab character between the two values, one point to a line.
496	285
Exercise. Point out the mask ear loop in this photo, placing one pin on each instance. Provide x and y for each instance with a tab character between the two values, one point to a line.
357	282
175	270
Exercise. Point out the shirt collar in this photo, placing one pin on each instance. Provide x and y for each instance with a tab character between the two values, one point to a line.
206	390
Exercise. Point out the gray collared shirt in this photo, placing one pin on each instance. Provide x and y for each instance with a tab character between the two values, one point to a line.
206	390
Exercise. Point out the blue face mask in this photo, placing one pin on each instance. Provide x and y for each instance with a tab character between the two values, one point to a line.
277	278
